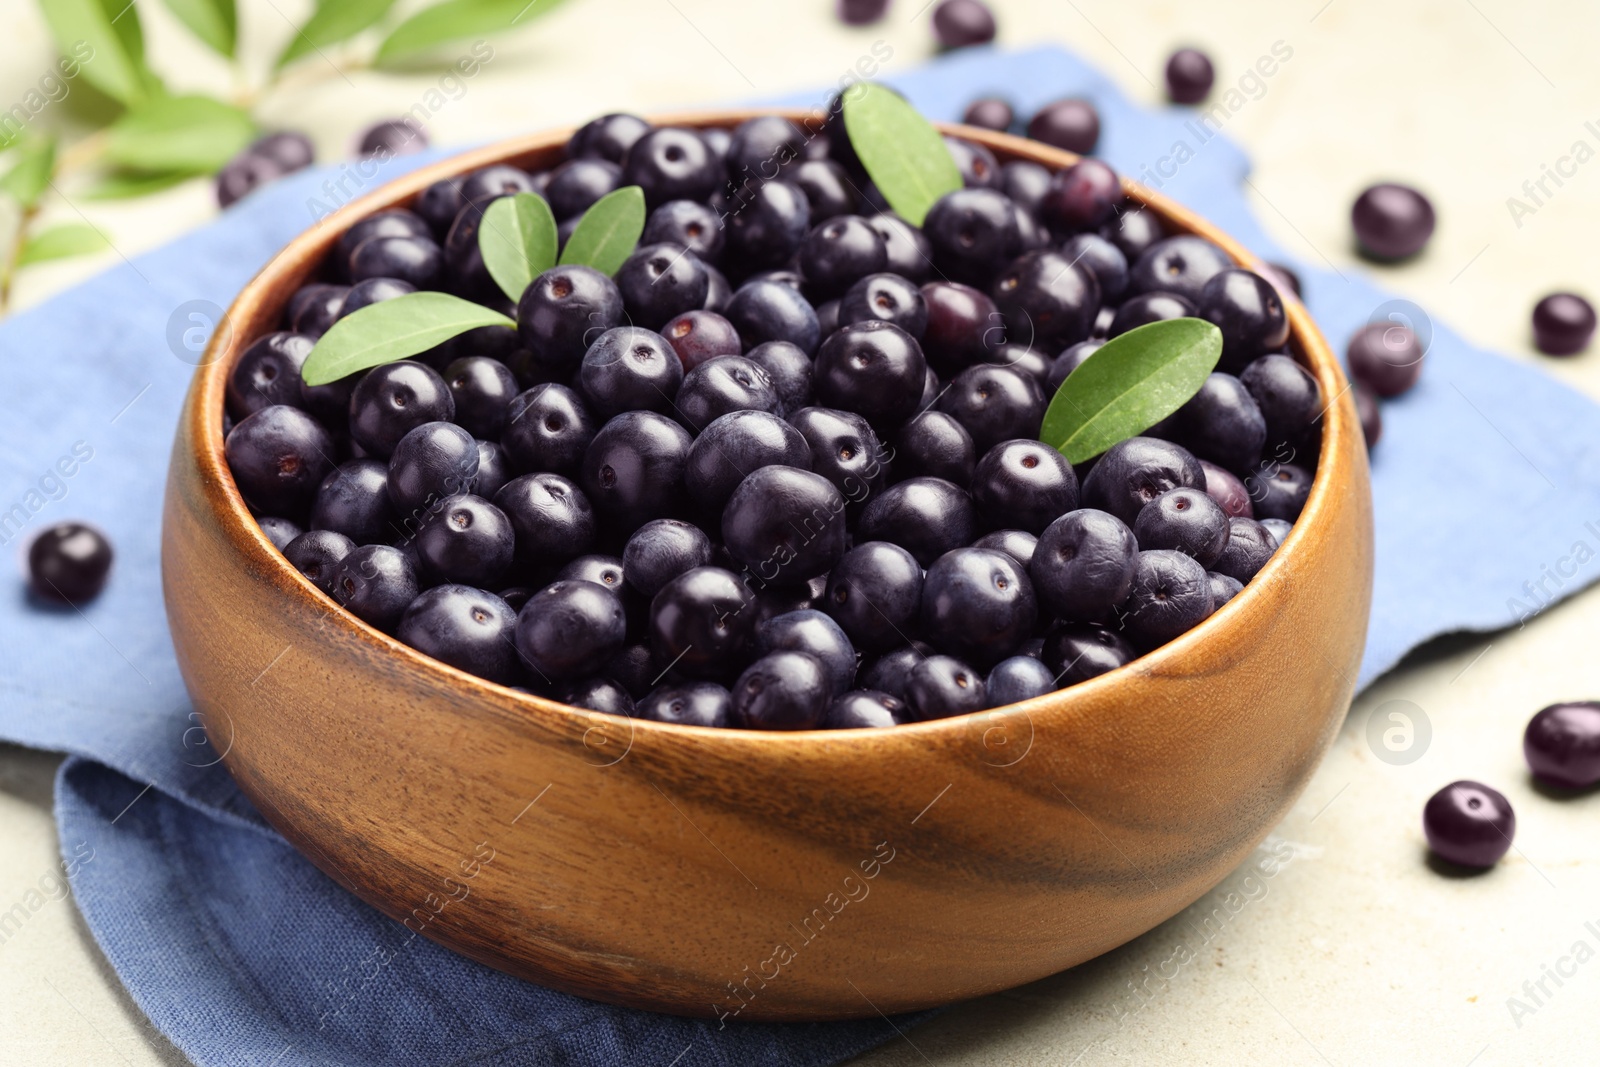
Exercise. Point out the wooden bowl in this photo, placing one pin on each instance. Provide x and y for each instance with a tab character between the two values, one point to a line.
724	873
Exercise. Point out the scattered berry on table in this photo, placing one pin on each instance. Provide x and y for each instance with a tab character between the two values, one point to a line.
1469	824
1392	221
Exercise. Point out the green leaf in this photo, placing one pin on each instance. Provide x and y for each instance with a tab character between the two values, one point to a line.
518	241
216	22
59	242
28	178
608	231
127	184
333	21
391	330
457	19
904	155
1129	384
104	37
172	133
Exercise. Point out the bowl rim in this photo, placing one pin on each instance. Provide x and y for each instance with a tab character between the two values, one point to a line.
205	406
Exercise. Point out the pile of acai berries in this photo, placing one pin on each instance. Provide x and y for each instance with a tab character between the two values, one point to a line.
783	469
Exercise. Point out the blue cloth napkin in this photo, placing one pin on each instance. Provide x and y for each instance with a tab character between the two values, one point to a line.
243	953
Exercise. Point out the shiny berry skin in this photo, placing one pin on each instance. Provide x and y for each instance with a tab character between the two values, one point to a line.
1170	595
698	336
964	326
1023	484
702	622
597	694
1186	520
549	428
840	251
482	389
688	224
569	629
1221	423
1189	76
375	583
989	113
977	605
1385	357
289	149
315	307
941	686
1067	362
960	23
575	185
1279	490
633	470
1081	197
732	447
314	554
669	163
494	469
396	222
564	311
1249	312
267	373
68	563
391	137
417	261
553	520
1083	565
718	291
354	500
828	188
661	281
439	204
782	691
972	234
373	291
602	570
789	370
926	516
1368	412
431	462
466	628
1278	528
243	174
768	311
720	386
392	400
994	404
1469	824
910	251
1134	232
1391	221
934	445
887	298
1228	490
768	226
1016	679
608	137
465	539
814	633
1249	547
661	550
689	704
1563	324
1046	300
1076	653
1020	545
874	593
978	167
762	147
1146	308
873	368
1134	472
279	531
279	457
889	672
1562	744
630	369
1072	124
1223	588
1102	259
1181	265
1288	396
863	709
785	524
1026	183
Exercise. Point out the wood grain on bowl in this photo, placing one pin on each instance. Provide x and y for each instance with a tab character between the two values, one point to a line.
751	875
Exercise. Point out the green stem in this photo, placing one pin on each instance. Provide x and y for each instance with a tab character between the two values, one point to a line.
8	269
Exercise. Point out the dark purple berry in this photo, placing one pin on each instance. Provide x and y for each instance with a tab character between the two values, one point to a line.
1563	323
391	137
608	137
1189	76
1249	547
814	633
1016	679
989	113
1221	423
1083	565
890	671
548	428
688	224
689	704
1469	824
785	524
1279	490
482	390
1076	653
577	184
782	691
720	386
1081	197
926	516
1170	595
978	167
431	462
1186	520
873	368
392	400
1249	312
1562	745
1072	124
597	694
766	228
1228	491
1023	484
315	307
280	531
1385	357
243	174
551	517
569	629
278	457
1288	396
910	252
466	628
789	370
69	562
735	445
875	594
633	470
376	583
1223	588
661	550
1146	308
1181	265
267	373
701	623
439	204
698	336
1134	472
564	311
1046	300
994	404
314	554
940	686
977	605
960	23
1391	221
765	311
466	539
964	326
934	445
1020	545
828	189
864	709
661	281
972	233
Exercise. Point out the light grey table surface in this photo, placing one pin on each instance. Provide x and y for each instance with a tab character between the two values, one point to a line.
1353	951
